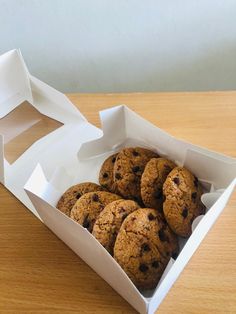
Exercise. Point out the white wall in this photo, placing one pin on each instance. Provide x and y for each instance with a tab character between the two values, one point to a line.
132	45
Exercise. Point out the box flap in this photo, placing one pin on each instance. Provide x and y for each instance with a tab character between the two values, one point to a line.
58	147
14	82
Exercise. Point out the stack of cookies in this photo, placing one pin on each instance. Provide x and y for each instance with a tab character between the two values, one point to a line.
143	203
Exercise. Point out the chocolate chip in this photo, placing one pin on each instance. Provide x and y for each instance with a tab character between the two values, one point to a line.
151	217
78	196
145	247
176	180
95	198
86	222
185	212
174	255
143	268
113	160
163	237
194	195
118	176
155	264
195	182
133	218
158	194
135	153
136	169
105	175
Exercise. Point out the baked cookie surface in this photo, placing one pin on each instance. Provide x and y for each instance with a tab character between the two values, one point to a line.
106	174
109	222
152	181
88	207
144	246
128	169
182	205
70	196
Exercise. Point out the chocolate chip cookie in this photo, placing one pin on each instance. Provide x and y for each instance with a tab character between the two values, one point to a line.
144	246
88	207
109	222
152	180
106	174
128	169
182	205
70	196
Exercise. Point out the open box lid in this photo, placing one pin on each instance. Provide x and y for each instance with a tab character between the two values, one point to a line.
20	91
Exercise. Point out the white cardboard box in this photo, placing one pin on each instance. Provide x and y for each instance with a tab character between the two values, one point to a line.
74	153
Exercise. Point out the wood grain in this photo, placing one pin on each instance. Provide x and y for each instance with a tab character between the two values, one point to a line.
39	274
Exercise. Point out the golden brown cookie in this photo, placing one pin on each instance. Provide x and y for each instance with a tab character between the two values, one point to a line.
70	196
144	246
109	222
183	200
152	181
128	169
106	174
88	207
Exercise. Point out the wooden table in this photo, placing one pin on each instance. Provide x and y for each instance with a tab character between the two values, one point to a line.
40	274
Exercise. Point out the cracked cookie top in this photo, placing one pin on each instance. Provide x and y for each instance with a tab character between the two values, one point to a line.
144	246
71	196
128	169
106	174
152	181
88	207
109	222
182	205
